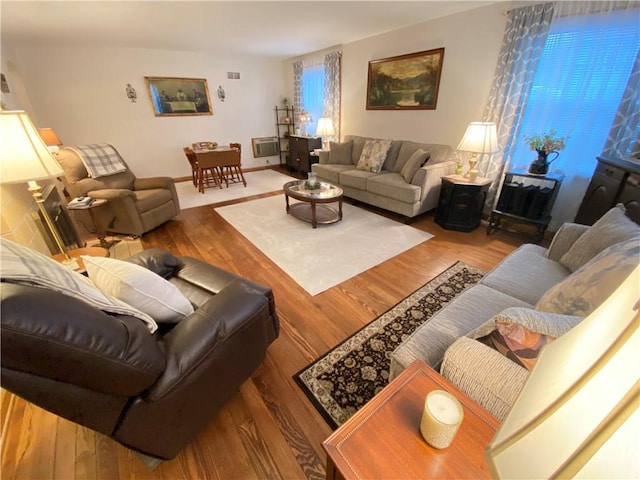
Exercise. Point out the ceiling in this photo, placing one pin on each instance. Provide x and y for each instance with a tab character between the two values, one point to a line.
275	28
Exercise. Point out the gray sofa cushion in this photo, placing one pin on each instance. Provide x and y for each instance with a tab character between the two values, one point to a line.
355	178
613	227
330	171
526	274
340	153
416	160
437	153
468	311
588	287
392	185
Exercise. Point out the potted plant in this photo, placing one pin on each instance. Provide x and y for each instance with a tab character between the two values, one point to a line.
545	144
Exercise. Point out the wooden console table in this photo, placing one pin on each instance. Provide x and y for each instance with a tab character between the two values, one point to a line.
383	440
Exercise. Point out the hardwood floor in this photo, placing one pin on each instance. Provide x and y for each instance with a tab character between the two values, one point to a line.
269	429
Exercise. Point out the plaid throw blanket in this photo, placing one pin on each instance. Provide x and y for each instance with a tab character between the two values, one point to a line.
25	266
100	159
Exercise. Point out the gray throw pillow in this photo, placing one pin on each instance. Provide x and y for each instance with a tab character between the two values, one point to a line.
613	227
416	160
341	152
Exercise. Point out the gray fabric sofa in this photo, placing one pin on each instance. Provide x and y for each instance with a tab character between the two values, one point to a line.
546	290
398	187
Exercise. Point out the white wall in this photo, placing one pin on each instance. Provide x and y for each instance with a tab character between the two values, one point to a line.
80	93
472	43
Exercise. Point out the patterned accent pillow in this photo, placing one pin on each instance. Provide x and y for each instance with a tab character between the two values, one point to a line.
25	266
585	289
613	227
416	160
373	155
517	343
340	153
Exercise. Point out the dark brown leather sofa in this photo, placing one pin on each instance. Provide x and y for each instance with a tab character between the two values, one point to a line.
154	392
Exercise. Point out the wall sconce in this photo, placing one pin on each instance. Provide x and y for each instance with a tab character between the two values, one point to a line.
131	93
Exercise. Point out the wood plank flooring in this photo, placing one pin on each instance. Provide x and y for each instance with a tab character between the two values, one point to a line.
268	430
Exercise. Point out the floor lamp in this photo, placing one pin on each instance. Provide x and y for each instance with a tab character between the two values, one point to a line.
578	415
25	158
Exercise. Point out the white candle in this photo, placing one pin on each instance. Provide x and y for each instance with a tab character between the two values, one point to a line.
441	418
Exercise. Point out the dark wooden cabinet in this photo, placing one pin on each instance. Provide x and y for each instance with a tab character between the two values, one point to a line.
300	148
461	202
526	198
614	181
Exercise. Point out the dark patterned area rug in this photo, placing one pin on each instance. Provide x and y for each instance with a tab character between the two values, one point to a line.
350	374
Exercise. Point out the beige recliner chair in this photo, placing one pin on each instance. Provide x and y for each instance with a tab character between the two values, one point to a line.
134	205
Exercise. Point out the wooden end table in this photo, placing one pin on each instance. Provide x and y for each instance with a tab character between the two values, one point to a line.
383	440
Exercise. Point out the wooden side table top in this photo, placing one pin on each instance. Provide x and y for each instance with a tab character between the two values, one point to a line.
383	440
76	253
462	180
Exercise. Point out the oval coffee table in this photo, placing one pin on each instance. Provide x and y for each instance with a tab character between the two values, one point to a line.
312	206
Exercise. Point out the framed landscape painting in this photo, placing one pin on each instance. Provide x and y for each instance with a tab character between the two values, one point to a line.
172	97
405	82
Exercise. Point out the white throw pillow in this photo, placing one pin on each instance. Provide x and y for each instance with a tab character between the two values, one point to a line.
374	153
138	287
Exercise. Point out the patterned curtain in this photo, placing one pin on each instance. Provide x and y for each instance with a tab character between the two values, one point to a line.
332	98
297	90
522	46
624	137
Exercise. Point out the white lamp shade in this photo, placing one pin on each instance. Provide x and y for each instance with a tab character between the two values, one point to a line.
23	154
480	137
325	127
578	414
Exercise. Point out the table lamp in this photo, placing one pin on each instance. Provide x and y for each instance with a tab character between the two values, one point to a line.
578	413
50	139
325	130
24	157
480	138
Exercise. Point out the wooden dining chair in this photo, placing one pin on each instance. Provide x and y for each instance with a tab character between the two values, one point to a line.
233	173
194	164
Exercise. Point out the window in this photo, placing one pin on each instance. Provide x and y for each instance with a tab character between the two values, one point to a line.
578	86
313	94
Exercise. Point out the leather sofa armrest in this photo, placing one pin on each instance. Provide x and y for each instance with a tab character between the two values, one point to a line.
112	194
483	374
199	338
157	260
152	182
564	238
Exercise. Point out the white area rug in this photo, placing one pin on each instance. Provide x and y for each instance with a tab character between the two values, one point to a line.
260	181
318	259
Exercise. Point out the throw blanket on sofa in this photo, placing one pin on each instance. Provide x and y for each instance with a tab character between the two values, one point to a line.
24	266
100	159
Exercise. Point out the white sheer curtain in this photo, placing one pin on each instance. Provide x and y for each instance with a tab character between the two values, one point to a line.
578	86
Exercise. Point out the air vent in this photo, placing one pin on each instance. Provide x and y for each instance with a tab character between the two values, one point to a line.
233	75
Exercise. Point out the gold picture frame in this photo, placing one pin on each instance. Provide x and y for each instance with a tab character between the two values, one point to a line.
179	97
405	82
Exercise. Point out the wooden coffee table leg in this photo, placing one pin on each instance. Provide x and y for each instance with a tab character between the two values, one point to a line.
286	199
340	208
314	220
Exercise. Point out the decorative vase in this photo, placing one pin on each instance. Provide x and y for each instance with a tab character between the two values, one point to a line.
540	166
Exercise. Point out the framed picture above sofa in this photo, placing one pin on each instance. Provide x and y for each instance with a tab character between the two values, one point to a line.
171	96
405	82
